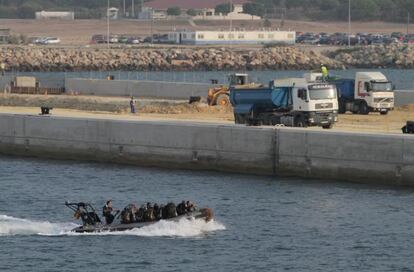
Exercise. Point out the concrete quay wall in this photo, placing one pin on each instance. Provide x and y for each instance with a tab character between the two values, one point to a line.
367	158
404	97
162	89
136	88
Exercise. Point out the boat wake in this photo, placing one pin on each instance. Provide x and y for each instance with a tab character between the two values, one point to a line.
10	226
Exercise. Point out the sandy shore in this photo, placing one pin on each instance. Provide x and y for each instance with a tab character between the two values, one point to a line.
153	110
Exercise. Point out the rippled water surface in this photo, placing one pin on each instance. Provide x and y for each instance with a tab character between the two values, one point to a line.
262	223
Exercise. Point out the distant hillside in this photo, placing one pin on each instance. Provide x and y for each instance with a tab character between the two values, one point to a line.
319	10
83	8
361	10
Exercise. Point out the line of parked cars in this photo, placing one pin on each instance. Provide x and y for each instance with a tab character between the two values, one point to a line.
45	40
127	39
355	39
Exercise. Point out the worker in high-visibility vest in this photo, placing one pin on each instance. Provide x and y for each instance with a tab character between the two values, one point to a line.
325	72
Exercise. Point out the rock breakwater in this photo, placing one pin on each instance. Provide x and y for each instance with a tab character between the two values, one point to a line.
205	59
390	56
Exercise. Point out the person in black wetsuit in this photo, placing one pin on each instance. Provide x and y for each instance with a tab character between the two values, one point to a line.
107	212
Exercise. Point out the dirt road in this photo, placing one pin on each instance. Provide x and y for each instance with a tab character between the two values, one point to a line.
118	108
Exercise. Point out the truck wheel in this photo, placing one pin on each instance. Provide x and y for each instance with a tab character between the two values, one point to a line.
223	100
363	108
383	112
300	122
341	108
328	126
239	119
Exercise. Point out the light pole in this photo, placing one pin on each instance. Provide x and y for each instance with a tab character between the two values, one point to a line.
107	25
124	9
230	10
349	23
152	25
408	23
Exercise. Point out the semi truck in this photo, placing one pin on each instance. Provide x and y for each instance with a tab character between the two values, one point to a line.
292	102
368	92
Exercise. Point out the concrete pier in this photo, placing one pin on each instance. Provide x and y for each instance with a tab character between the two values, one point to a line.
366	158
137	88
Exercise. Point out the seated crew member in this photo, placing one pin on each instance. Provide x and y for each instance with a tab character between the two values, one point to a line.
190	207
133	212
158	211
181	208
149	213
169	211
140	213
107	212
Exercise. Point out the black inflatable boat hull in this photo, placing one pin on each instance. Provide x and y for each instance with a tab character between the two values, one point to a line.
124	227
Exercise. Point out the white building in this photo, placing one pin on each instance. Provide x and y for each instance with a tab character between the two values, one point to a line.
236	14
113	13
233	37
148	13
62	15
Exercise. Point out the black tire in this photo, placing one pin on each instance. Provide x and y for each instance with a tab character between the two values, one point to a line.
300	122
239	119
223	100
330	126
341	107
363	108
384	112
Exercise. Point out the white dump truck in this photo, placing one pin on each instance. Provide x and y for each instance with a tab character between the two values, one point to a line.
297	102
369	92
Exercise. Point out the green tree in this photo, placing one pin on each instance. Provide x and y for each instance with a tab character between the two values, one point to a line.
224	8
329	4
173	11
192	12
253	9
26	11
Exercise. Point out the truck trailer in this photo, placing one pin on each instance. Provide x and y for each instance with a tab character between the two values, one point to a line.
291	102
368	92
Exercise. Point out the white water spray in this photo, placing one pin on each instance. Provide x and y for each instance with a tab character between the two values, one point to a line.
184	228
10	225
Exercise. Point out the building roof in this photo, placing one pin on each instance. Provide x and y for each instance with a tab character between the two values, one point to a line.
4	31
189	4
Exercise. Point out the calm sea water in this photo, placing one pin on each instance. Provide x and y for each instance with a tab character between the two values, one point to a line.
403	79
262	223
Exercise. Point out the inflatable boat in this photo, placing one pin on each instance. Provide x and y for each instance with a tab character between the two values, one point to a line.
91	222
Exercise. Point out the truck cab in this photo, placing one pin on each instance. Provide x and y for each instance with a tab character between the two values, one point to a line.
375	92
316	100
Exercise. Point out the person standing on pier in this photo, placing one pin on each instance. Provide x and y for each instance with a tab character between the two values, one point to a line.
132	105
2	68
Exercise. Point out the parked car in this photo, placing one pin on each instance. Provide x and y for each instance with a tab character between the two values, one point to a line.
123	39
98	39
113	39
49	40
133	40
